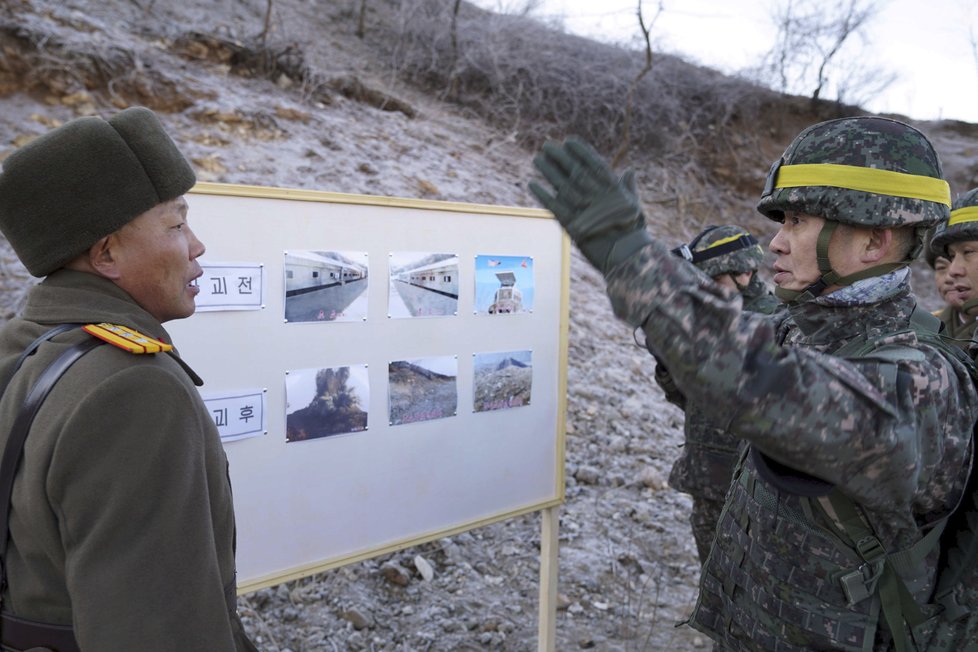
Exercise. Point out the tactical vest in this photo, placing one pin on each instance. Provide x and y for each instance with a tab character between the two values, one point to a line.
816	579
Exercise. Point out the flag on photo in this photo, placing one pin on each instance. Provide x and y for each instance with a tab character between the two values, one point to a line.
523	264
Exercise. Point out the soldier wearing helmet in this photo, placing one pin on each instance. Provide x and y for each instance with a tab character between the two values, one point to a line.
957	241
942	280
729	255
857	415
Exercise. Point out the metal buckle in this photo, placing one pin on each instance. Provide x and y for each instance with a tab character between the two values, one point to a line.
684	252
861	583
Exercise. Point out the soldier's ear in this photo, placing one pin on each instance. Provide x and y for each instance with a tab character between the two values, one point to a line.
878	245
101	260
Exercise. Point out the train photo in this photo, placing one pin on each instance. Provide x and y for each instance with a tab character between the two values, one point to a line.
325	286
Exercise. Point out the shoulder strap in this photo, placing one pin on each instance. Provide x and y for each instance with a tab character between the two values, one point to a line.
57	330
30	632
878	574
18	436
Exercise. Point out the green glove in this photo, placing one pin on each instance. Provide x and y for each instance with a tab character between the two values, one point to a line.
601	214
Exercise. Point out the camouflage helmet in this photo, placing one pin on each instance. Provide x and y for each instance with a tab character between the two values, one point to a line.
865	171
726	249
862	171
963	224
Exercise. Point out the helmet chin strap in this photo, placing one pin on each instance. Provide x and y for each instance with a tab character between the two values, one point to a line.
828	275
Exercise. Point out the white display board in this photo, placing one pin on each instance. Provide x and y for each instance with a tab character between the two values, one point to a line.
305	501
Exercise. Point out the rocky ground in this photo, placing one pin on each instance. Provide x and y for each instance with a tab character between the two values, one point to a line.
628	567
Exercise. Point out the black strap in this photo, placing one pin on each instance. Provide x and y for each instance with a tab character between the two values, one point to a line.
29	633
57	330
745	241
23	634
18	434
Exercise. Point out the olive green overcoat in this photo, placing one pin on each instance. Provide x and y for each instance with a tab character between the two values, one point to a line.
122	522
961	328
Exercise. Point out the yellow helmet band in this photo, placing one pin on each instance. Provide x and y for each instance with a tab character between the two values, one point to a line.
852	177
724	241
961	215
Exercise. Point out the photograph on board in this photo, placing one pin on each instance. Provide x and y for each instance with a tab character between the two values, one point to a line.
325	286
503	284
326	401
423	389
422	284
501	380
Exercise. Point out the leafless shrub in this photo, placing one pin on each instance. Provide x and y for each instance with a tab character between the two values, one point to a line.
36	62
255	58
531	79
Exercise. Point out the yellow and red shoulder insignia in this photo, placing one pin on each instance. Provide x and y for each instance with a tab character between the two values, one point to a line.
126	338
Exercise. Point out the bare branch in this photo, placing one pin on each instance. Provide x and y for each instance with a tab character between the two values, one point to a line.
812	35
361	20
630	99
267	26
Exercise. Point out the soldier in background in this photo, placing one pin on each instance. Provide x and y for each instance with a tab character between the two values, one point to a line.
858	417
957	242
730	256
939	264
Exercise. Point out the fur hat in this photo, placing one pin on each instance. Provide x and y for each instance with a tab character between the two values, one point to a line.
64	191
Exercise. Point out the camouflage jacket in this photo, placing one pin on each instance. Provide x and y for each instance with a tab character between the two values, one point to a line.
709	452
893	437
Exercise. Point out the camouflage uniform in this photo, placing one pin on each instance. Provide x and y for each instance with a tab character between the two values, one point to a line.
709	452
891	433
961	323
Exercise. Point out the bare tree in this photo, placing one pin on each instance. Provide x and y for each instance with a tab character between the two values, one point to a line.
361	20
812	37
453	77
630	99
267	25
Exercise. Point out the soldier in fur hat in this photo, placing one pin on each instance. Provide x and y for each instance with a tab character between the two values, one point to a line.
119	512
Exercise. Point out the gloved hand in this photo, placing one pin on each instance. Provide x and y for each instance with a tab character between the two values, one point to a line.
601	214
